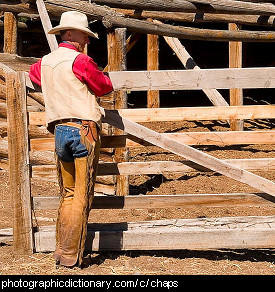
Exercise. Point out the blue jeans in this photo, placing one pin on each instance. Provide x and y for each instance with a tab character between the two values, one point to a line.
67	143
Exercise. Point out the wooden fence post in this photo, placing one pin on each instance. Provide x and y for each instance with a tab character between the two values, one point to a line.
10	33
19	168
152	64
117	62
235	61
46	23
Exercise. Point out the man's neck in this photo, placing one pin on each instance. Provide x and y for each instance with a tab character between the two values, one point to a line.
76	45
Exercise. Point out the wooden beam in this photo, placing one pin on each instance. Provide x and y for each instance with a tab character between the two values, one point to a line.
153	100
199	113
199	138
194	79
46	22
19	163
239	7
199	17
189	153
189	138
159	167
164	201
117	62
191	234
10	33
191	33
235	61
139	115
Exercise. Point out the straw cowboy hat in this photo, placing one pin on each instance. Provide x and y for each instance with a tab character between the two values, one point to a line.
73	20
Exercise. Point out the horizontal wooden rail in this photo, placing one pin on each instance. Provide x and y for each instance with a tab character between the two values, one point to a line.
199	113
261	77
165	201
192	234
173	234
158	167
197	138
188	138
184	113
194	79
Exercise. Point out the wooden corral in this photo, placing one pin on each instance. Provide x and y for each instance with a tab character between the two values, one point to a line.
28	149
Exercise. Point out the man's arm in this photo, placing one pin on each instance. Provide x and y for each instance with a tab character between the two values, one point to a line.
35	72
86	70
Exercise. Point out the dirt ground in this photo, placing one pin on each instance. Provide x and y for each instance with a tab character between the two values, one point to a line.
185	262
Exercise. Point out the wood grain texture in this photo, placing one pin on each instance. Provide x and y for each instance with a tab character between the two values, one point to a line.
19	169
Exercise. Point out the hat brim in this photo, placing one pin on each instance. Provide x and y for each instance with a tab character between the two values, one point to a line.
57	29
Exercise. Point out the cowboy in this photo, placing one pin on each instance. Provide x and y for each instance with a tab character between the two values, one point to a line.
70	82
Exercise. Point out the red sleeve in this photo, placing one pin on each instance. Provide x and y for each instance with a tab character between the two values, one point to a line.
86	70
35	72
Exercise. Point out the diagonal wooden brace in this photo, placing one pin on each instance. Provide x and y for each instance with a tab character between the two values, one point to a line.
199	157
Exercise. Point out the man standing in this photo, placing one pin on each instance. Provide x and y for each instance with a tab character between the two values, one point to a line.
70	82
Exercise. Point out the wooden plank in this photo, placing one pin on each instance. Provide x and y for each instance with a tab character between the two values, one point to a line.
117	62
189	153
153	64
188	138
199	113
261	77
165	201
19	163
158	167
235	61
245	112
191	234
46	22
10	33
198	138
194	79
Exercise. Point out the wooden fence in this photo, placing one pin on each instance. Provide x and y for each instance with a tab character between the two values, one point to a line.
29	149
131	235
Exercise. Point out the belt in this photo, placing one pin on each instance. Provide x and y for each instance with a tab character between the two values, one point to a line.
70	122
